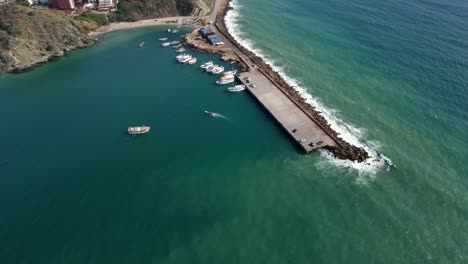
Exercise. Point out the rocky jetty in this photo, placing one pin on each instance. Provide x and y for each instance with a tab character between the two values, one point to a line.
343	150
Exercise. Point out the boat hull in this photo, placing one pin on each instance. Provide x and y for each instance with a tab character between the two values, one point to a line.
138	130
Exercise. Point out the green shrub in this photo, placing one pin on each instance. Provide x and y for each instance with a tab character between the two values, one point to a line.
90	17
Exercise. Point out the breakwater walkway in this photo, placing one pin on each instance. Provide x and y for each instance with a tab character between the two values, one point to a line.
302	122
302	129
299	125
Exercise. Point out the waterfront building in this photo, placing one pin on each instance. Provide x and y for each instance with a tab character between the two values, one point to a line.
64	4
215	40
206	32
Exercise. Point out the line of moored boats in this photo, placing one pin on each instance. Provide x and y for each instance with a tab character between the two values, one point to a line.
185	58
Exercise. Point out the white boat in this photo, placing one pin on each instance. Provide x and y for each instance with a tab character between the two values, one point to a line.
206	65
175	42
185	58
231	72
209	113
166	44
181	55
237	88
175	31
192	61
227	77
211	68
177	46
169	30
138	130
225	81
181	50
141	45
218	70
162	39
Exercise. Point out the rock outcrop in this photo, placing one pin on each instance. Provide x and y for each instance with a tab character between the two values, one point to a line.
29	37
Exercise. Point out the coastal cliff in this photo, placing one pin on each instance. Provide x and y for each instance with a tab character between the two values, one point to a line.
133	10
29	37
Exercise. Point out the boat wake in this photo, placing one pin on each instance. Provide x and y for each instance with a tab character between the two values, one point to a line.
347	132
216	115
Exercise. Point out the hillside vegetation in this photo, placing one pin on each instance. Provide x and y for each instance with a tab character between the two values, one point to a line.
132	10
29	36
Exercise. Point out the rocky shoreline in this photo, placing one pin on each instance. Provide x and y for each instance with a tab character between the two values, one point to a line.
46	59
343	150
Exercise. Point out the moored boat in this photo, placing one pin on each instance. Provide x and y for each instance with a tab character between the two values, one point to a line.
177	46
192	61
185	58
211	68
175	42
237	88
169	30
141	45
206	65
227	77
218	70
175	31
231	72
162	39
166	44
181	50
225	81
138	130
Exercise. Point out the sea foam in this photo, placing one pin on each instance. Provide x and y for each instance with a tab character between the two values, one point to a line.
347	132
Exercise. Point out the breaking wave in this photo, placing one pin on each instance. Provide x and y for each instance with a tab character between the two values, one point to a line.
347	132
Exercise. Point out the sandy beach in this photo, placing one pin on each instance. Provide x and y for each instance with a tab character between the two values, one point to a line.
139	24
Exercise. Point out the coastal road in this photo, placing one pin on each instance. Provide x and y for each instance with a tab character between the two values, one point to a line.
214	14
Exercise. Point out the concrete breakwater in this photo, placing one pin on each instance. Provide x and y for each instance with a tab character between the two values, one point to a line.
342	149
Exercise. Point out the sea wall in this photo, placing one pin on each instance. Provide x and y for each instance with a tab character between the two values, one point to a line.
343	150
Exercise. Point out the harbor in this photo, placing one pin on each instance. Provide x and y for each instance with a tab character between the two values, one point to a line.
300	120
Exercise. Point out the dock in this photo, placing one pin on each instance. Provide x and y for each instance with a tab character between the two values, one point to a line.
300	127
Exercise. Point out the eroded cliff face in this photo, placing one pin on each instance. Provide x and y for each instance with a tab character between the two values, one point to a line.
29	37
133	10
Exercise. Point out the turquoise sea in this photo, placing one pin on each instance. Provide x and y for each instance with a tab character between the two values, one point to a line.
391	76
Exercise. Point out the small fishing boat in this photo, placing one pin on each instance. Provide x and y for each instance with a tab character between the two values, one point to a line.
141	45
192	61
225	81
166	44
169	30
227	77
231	72
237	88
185	58
138	130
175	31
211	68
218	70
206	65
163	39
177	46
209	113
181	55
175	42
181	50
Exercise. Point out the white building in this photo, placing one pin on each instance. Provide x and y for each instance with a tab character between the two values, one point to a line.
105	4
